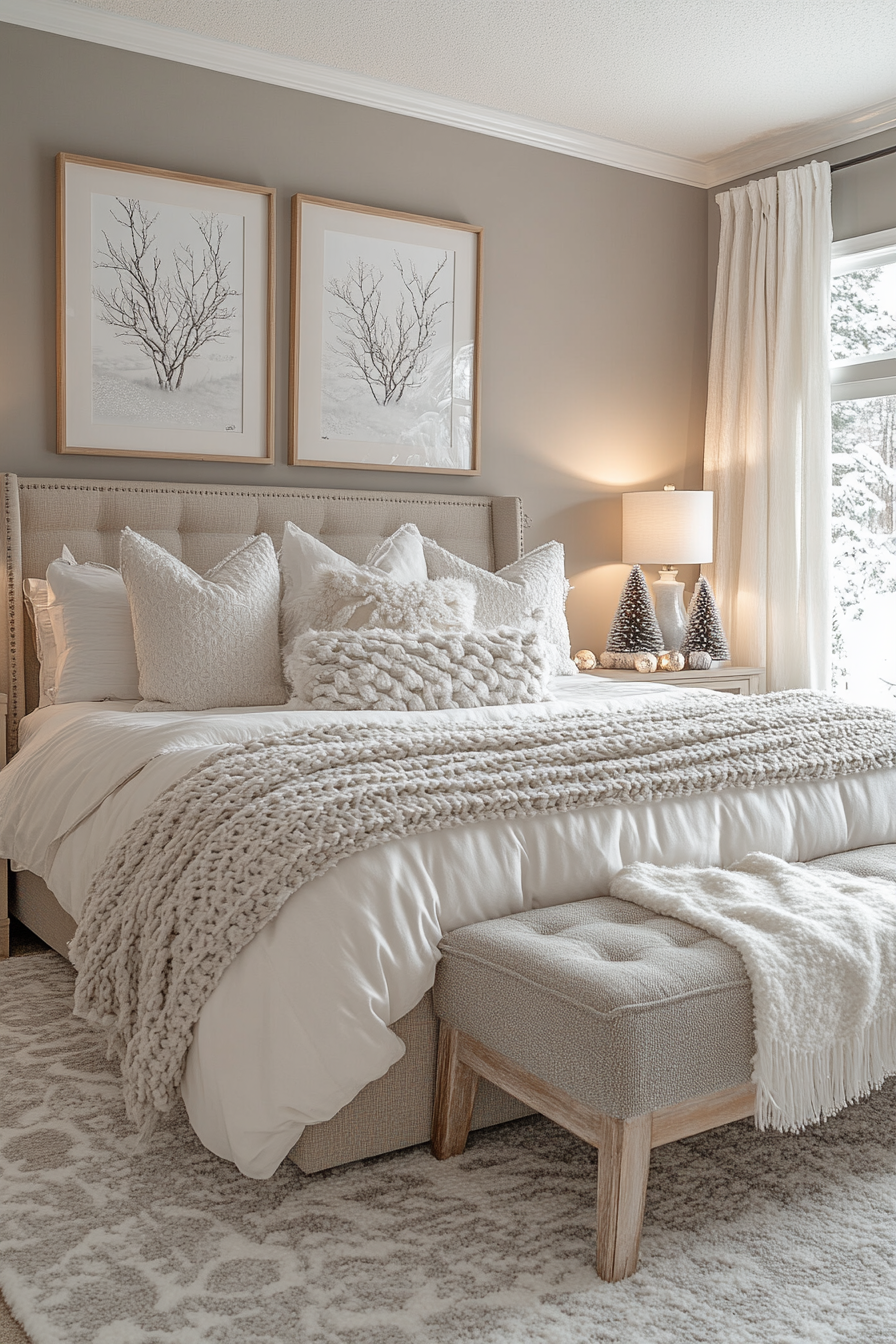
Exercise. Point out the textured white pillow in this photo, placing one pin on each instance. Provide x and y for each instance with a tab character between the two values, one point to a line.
359	598
205	643
37	598
397	670
356	597
303	557
92	632
531	591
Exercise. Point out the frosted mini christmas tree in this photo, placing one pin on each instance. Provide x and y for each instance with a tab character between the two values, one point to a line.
635	628
704	633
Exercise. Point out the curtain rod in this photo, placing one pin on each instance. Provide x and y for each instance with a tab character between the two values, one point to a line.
866	158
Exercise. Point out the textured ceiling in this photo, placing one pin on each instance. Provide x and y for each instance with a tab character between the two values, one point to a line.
687	77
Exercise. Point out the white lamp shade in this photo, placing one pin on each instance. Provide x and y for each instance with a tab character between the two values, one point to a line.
667	527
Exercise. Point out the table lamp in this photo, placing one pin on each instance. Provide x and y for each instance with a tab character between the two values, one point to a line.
668	527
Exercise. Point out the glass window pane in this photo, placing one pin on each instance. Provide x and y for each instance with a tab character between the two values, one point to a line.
863	313
864	545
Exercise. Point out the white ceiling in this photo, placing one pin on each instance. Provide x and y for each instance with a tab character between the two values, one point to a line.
713	82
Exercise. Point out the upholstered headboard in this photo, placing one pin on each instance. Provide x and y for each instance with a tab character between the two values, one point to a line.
201	524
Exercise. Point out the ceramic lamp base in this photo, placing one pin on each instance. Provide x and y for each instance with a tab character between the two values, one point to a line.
668	599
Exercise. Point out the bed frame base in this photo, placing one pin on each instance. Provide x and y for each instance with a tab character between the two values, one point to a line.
391	1113
34	905
623	1145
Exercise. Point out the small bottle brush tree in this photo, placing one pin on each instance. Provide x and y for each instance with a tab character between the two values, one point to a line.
635	628
704	633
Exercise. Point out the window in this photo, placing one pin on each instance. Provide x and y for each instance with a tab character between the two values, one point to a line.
863	412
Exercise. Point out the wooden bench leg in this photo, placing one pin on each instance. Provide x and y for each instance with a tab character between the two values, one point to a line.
456	1086
623	1165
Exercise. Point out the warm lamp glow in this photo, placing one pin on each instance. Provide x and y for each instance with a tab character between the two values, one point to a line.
667	527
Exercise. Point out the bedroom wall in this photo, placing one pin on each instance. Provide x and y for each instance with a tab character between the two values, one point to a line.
594	336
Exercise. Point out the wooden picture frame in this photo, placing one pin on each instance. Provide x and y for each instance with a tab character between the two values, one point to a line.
385	316
165	313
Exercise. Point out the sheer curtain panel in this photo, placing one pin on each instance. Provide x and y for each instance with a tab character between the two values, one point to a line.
768	426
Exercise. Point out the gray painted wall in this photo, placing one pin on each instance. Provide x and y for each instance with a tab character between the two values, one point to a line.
594	342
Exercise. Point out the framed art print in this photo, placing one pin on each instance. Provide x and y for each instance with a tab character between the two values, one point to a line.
164	313
384	357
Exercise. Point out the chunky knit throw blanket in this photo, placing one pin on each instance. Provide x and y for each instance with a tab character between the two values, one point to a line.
820	950
217	855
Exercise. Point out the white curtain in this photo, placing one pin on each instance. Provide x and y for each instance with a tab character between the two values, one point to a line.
768	428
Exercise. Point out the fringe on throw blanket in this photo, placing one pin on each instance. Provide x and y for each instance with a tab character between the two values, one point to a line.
215	857
819	947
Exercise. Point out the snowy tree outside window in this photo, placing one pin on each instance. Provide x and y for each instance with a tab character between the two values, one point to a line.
863	390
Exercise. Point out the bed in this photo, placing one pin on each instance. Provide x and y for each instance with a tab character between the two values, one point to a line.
373	921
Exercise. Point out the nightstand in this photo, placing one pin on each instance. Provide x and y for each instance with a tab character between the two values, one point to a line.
736	680
4	866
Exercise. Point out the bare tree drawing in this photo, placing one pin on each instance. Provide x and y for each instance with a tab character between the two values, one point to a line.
170	314
389	353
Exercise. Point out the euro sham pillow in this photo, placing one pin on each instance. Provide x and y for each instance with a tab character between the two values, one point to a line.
36	601
205	642
429	670
88	611
303	558
529	592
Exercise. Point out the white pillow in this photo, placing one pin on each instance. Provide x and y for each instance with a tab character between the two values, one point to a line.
36	600
303	558
530	592
204	643
361	599
94	639
401	670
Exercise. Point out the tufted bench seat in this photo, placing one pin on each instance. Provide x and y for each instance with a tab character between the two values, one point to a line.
627	1028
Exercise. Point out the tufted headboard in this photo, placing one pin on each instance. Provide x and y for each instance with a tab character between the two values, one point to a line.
201	524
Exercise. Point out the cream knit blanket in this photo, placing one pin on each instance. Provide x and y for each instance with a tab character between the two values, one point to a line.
217	855
820	950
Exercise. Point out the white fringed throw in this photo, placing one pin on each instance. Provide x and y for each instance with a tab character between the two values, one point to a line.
820	950
214	858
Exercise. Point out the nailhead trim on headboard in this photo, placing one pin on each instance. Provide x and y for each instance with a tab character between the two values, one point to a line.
123	487
11	663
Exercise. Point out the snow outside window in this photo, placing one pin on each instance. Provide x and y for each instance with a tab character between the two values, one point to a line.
863	410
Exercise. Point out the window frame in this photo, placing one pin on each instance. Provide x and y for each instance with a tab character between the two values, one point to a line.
872	375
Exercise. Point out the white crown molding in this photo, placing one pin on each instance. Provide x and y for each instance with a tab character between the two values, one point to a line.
800	142
172	44
70	19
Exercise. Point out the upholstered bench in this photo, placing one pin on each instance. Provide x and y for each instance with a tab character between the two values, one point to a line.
627	1028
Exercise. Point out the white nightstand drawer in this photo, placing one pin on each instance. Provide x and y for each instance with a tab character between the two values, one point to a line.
734	680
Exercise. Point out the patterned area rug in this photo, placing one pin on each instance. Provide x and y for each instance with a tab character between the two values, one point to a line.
748	1239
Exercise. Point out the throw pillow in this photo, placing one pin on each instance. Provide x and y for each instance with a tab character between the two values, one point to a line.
205	642
303	557
356	598
530	591
359	597
397	670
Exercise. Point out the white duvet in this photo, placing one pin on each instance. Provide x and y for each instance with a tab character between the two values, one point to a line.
299	1022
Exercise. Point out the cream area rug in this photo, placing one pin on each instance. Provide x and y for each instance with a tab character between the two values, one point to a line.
748	1238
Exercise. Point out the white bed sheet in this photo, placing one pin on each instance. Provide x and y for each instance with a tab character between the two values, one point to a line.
298	1023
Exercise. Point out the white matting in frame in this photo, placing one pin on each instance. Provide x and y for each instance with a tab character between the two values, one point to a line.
164	313
384	363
